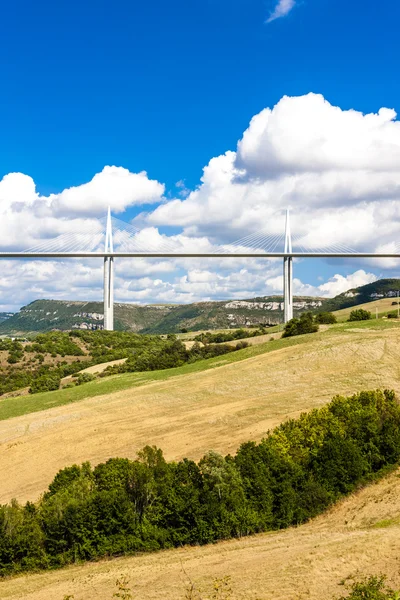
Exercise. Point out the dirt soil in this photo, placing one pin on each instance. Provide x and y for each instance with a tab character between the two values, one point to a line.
359	536
191	414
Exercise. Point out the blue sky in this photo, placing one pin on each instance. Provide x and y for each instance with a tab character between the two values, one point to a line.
166	86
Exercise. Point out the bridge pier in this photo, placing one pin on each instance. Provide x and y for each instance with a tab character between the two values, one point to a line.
109	294
109	278
287	289
288	274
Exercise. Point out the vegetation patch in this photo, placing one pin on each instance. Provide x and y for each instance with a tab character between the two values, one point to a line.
304	324
359	314
43	364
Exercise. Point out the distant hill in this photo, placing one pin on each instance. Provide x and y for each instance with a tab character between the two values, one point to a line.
384	288
5	315
45	315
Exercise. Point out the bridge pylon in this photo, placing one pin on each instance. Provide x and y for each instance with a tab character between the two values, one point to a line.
288	274
109	278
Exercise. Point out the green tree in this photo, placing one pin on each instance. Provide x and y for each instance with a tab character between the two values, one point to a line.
326	318
359	314
298	326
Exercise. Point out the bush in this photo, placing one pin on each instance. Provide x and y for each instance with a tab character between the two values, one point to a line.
241	345
326	318
45	383
359	314
372	588
304	324
81	378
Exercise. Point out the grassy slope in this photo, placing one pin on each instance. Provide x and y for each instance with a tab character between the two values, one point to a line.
21	405
187	411
360	535
384	306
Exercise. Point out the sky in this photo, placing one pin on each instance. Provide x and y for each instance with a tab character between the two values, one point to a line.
198	122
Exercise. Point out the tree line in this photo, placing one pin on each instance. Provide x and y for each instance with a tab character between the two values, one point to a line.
125	506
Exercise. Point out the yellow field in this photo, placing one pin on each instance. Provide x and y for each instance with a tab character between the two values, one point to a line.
358	536
384	306
190	414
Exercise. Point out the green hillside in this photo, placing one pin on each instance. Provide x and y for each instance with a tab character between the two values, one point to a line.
45	315
384	288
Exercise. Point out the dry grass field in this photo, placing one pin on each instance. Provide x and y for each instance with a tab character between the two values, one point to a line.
361	535
189	414
384	306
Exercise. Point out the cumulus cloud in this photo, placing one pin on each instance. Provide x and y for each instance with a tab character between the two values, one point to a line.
338	170
282	9
339	284
114	186
22	208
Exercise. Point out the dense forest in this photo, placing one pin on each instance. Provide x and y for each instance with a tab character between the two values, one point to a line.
127	506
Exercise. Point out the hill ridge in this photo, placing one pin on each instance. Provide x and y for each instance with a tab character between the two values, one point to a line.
45	314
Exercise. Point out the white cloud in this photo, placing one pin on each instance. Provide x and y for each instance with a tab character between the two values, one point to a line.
339	284
114	186
339	170
282	9
22	208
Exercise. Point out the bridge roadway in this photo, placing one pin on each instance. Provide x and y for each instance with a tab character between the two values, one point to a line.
198	255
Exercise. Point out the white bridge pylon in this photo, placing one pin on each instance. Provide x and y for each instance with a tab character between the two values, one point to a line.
125	240
288	273
109	274
109	277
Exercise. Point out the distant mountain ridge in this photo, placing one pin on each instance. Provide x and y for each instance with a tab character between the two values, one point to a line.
383	288
45	315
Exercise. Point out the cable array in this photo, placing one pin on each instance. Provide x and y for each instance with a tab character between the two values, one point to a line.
255	242
89	237
299	244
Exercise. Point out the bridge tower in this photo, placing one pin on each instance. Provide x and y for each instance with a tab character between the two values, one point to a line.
288	274
109	278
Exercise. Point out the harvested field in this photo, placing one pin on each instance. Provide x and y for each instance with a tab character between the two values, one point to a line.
189	414
103	366
383	306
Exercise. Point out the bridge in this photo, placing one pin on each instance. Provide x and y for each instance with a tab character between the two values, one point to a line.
110	238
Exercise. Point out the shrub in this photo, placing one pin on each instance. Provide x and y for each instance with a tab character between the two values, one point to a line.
359	314
304	324
241	345
372	588
327	318
45	383
81	378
